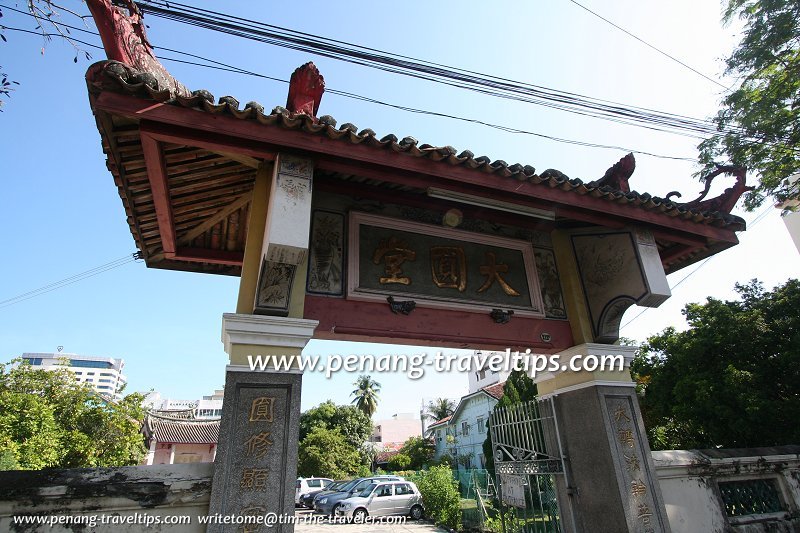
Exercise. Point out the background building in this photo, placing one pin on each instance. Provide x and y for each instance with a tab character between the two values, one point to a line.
485	376
206	408
176	436
461	435
396	430
104	374
792	218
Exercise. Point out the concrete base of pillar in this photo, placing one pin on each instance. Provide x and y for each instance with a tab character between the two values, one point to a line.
256	464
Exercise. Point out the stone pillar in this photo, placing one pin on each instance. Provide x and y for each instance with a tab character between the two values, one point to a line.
610	482
256	462
172	453
256	459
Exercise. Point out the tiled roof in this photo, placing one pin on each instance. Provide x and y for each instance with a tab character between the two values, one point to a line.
495	391
186	414
439	422
180	430
383	457
131	83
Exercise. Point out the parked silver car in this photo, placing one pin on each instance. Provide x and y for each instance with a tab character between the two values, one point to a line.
328	502
383	499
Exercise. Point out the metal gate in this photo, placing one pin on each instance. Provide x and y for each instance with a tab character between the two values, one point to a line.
528	463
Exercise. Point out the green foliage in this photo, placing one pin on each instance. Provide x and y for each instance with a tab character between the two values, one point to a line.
365	395
440	495
355	426
764	110
48	420
439	408
732	379
446	460
419	451
399	461
326	453
519	387
8	461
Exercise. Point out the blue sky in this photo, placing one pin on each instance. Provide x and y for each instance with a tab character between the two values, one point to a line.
60	213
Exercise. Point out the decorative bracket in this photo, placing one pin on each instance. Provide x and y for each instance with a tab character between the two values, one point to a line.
401	308
501	317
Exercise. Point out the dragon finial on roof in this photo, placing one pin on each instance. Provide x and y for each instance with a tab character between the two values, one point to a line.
618	175
725	202
124	40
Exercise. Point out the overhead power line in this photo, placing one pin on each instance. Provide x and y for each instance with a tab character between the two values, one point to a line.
218	65
430	71
130	258
663	53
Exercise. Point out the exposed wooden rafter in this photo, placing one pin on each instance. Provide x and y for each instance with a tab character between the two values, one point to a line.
213	220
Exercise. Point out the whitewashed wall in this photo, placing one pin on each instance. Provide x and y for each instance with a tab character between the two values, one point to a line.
135	494
689	483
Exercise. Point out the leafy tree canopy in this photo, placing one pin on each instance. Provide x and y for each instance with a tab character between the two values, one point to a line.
732	379
759	122
399	461
48	420
326	453
419	451
355	426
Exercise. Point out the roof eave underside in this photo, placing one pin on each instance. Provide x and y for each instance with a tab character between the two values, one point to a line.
250	134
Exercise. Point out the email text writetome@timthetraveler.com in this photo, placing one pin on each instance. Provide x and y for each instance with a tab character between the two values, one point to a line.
145	520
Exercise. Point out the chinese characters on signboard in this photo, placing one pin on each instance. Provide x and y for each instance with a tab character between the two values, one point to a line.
435	264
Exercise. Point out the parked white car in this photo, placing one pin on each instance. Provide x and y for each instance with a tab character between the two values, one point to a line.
309	484
383	499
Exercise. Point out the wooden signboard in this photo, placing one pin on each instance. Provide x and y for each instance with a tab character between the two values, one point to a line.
440	267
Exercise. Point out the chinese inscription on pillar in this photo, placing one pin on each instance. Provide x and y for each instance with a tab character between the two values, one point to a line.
629	453
257	446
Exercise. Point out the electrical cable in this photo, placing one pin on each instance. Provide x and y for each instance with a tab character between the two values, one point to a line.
665	54
229	68
127	259
460	78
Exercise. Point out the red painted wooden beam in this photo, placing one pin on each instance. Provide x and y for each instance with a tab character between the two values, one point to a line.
157	176
439	174
208	141
341	319
203	255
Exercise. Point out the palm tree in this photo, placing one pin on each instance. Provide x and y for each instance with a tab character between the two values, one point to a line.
365	396
439	408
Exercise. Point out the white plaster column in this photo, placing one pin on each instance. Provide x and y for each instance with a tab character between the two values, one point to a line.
151	452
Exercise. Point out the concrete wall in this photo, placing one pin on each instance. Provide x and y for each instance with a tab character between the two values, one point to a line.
136	494
690	485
